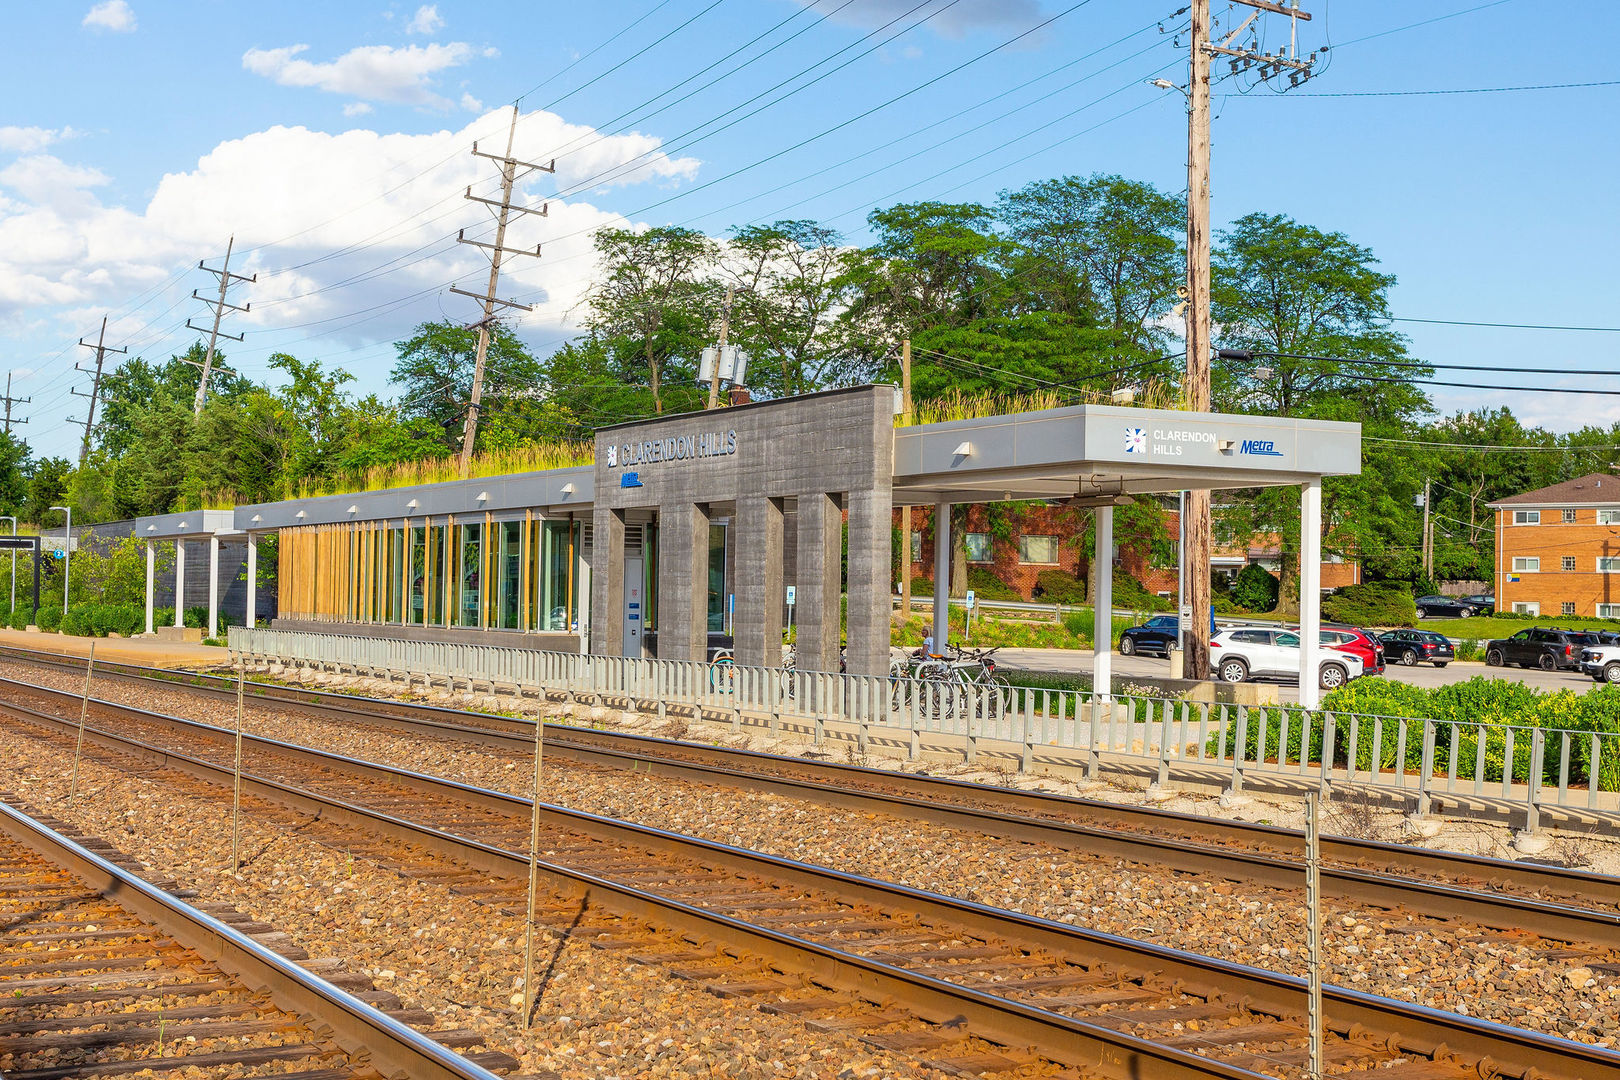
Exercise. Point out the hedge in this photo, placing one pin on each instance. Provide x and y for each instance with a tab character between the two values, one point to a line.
99	620
1371	604
1060	587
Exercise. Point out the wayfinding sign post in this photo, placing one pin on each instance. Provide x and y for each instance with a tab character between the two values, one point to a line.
30	544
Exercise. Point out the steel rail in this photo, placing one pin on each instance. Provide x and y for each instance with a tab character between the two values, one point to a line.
356	1027
1263	854
1417	1029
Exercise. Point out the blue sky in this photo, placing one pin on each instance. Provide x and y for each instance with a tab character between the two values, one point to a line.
332	140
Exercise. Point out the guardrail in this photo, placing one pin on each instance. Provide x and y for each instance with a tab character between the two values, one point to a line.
1520	769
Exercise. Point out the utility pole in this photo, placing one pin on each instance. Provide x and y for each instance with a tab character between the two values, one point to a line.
720	350
1199	525
95	385
510	175
1428	535
905	511
218	305
10	401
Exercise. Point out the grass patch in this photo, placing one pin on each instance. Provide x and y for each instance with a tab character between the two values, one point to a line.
1484	627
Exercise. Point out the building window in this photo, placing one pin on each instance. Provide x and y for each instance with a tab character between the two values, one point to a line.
1608	564
1526	609
1038	549
1569	517
1527	517
1568	563
1608	517
1524	565
916	546
1567	608
978	547
1608	611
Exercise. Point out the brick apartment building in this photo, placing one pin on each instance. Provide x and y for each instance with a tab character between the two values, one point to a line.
1558	549
1045	538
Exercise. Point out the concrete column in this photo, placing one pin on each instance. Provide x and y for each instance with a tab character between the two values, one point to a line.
1102	621
820	587
871	548
1310	591
607	582
179	583
942	575
760	596
151	575
213	586
252	580
683	581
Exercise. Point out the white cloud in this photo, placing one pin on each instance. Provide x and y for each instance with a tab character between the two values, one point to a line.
356	108
31	140
114	16
402	76
20	373
425	21
470	103
380	210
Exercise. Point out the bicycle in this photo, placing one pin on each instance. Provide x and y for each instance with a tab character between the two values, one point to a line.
723	672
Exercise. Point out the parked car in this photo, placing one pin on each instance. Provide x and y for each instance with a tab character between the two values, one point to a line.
1156	635
1602	662
1445	607
1544	647
1358	643
1413	647
1251	652
1485	602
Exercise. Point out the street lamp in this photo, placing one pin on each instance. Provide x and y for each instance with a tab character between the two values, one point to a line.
67	553
8	517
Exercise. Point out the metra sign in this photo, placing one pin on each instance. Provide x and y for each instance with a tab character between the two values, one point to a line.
1262	447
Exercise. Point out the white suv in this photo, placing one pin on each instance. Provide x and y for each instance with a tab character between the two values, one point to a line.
1252	652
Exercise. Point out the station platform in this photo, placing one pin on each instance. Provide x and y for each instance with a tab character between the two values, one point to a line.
167	654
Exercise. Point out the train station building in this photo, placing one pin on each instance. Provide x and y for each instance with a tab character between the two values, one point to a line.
723	526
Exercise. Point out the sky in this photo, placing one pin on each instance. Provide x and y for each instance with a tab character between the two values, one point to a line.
333	142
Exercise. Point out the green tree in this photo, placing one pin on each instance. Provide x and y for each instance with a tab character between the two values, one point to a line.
791	284
435	373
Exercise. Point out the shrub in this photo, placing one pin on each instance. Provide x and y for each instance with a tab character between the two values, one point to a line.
1060	587
1372	604
1130	593
20	618
1255	589
1470	649
1077	623
922	586
163	616
985	585
197	617
50	616
77	621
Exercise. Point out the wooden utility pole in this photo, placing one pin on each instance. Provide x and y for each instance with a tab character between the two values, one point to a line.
905	511
1200	539
95	386
10	401
1428	534
720	350
218	305
1199	524
512	171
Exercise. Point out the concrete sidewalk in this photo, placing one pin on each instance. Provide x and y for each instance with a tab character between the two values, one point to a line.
166	654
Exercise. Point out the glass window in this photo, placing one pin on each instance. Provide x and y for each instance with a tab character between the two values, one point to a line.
1527	517
469	574
1569	517
1568	562
418	572
1252	637
1038	549
1288	640
1527	565
558	601
1608	517
436	587
717	578
1526	609
510	564
1567	608
1608	564
396	574
1607	611
978	547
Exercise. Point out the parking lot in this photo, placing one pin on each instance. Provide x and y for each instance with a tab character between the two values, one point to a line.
1425	675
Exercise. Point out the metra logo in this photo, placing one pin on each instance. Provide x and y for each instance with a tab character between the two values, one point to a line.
1262	447
630	479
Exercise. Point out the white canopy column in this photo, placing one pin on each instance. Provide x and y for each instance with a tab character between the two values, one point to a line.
252	580
151	574
213	586
1102	612
1310	591
179	583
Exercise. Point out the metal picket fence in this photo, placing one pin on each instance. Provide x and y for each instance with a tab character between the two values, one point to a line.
1520	769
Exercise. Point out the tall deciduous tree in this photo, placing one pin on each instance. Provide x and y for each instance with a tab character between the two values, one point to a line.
791	285
435	373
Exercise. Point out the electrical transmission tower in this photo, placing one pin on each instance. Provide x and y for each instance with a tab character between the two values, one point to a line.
95	386
1199	525
10	401
219	305
512	171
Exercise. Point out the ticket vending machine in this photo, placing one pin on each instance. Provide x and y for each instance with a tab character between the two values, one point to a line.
635	608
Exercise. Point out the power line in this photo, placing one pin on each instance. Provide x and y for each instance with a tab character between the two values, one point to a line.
1511	326
1424	22
1461	90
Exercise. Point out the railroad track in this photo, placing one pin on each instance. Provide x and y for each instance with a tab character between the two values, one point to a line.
103	973
1554	902
973	988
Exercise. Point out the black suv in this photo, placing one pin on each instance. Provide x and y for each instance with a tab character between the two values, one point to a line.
1547	648
1411	647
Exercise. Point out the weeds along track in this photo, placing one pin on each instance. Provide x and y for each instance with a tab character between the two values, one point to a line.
103	973
970	987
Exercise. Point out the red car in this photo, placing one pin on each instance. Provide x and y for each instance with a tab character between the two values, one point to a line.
1358	643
